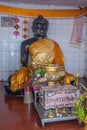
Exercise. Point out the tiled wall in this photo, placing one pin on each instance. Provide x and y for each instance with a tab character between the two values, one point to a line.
59	30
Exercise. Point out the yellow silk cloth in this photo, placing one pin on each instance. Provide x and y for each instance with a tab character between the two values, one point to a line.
19	79
45	51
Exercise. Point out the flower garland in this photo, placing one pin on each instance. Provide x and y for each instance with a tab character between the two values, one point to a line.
16	32
25	29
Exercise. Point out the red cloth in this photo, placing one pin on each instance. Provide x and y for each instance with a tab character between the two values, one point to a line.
26	88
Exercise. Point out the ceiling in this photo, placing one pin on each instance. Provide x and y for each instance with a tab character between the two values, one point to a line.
78	3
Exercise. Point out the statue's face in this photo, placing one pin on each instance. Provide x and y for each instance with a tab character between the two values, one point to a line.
40	29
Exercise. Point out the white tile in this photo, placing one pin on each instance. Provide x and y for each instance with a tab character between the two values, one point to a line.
5	75
82	57
76	57
82	73
5	56
82	65
1	66
5	65
1	75
52	29
17	64
70	65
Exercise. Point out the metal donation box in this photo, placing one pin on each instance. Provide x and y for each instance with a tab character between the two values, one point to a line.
58	96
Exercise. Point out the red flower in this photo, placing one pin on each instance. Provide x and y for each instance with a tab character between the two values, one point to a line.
17	20
25	22
25	29
17	26
16	33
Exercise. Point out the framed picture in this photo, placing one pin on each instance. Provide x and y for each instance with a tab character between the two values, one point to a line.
7	21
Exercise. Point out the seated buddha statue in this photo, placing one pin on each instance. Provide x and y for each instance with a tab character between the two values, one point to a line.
38	50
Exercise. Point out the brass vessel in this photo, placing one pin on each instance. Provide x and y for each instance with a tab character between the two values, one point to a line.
52	74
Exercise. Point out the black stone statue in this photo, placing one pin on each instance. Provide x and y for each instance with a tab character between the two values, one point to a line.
39	28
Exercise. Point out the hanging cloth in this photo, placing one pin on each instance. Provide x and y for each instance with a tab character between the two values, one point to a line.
76	37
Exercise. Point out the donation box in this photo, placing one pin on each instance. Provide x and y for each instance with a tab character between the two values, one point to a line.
58	96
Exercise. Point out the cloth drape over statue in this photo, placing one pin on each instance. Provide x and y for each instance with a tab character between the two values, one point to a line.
43	51
46	51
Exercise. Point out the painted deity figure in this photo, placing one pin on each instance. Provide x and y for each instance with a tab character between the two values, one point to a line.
38	50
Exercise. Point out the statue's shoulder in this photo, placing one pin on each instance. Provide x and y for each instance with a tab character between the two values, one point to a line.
55	43
52	40
28	41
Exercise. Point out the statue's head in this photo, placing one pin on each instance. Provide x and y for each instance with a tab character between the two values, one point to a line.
40	26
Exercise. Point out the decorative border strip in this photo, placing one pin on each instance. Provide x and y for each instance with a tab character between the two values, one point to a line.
44	12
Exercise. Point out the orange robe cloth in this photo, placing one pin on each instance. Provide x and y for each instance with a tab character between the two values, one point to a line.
46	51
47	48
43	51
19	79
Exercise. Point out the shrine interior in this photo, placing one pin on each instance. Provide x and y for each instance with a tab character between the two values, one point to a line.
43	73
